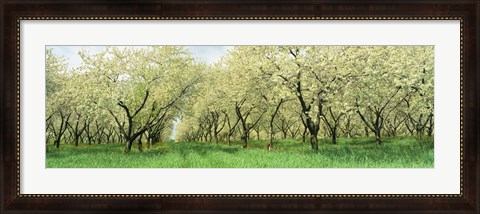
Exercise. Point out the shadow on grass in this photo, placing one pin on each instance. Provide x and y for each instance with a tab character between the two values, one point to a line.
345	147
93	149
201	149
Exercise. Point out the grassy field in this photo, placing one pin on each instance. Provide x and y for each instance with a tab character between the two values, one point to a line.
348	153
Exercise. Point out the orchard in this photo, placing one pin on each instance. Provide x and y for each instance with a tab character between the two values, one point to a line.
262	98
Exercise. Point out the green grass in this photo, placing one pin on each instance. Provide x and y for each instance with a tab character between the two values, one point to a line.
348	153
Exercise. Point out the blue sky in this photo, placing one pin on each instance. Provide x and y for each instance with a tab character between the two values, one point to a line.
209	54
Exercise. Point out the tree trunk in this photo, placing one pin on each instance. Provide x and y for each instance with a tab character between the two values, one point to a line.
77	138
270	136
245	140
245	130
313	129
378	138
129	145
304	135
430	127
62	129
149	140
270	130
139	143
314	142
334	137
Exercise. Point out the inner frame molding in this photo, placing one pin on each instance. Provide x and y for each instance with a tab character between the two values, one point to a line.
18	174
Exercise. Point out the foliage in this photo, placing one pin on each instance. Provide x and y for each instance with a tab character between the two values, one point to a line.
321	90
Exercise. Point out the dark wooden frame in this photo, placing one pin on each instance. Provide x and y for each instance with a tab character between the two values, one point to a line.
467	202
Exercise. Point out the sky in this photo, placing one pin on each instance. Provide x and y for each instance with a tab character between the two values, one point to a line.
209	54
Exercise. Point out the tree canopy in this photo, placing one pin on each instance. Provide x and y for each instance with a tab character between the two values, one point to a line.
140	94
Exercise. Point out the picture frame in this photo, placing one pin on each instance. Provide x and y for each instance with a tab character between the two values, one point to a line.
16	11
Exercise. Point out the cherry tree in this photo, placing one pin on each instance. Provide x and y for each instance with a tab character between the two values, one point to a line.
142	85
389	75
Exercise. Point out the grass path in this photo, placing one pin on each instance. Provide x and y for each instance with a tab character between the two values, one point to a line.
348	153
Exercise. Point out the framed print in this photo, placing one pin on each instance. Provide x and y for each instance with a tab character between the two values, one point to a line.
240	106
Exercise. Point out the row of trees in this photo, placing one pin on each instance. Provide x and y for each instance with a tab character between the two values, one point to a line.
288	92
128	95
118	95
